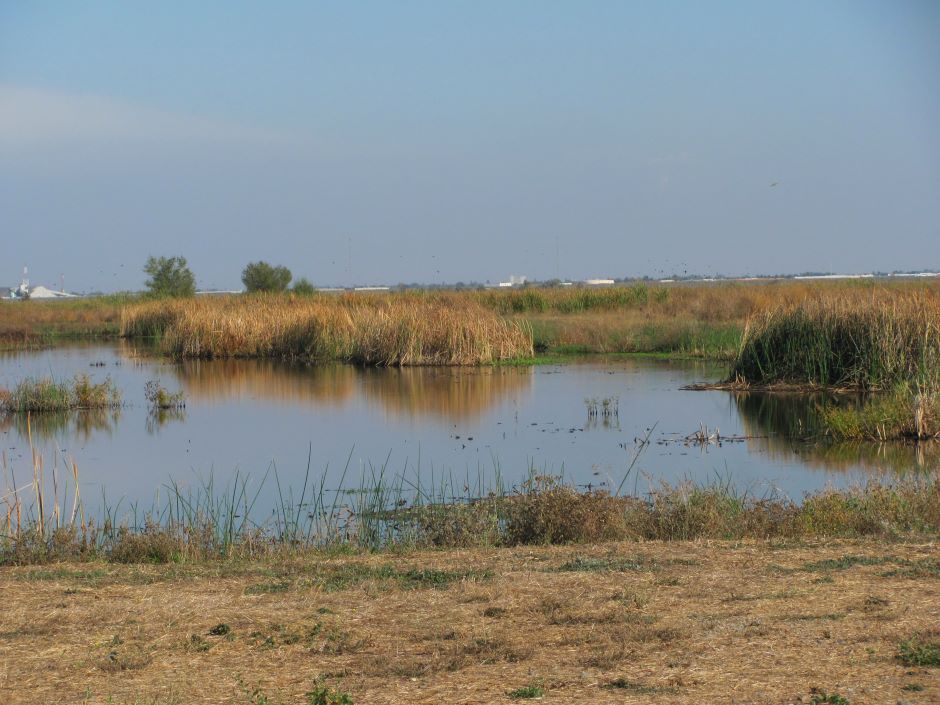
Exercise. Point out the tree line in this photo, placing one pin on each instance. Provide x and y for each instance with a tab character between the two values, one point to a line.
172	277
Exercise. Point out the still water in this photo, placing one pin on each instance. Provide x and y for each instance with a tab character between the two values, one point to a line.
466	426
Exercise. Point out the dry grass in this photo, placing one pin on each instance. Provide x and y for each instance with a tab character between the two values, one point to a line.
364	330
747	622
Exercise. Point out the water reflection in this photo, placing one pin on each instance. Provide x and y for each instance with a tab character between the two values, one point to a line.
458	394
226	380
158	418
79	425
788	426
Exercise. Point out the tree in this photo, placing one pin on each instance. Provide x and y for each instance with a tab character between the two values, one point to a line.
169	276
261	276
303	287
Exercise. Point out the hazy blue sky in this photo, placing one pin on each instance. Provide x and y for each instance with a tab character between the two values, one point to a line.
427	141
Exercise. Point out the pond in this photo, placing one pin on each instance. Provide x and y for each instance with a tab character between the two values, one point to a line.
467	428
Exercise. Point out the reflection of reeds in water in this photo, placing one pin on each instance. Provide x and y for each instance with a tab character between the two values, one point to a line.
160	417
80	425
447	392
456	394
220	380
783	417
788	425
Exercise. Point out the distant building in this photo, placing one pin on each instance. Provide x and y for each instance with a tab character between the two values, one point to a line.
515	280
598	282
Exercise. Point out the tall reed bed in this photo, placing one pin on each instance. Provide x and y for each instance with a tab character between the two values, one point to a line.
878	341
364	330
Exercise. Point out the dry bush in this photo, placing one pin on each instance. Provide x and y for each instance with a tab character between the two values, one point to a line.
152	545
32	547
548	512
475	524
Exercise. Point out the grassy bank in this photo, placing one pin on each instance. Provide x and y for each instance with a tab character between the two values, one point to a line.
46	520
635	622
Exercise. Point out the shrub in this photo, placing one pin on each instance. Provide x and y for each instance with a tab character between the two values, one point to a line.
169	277
261	276
304	287
547	512
152	545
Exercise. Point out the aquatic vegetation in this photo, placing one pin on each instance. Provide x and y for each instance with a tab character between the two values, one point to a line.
160	398
607	407
49	395
903	413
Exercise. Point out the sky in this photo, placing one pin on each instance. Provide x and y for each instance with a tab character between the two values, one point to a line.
386	142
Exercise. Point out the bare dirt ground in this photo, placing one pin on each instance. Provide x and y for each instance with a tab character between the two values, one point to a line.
702	622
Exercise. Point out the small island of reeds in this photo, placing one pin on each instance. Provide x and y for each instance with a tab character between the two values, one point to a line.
50	395
390	331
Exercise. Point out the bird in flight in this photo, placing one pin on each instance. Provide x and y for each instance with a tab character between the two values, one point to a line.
773	184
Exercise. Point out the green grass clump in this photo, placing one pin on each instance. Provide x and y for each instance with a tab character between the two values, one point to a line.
349	576
846	562
919	652
46	395
821	697
639	688
531	691
324	695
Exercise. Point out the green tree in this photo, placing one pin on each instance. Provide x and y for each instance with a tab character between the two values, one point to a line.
261	276
304	287
169	276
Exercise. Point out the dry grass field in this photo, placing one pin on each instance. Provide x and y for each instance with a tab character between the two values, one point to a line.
633	622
